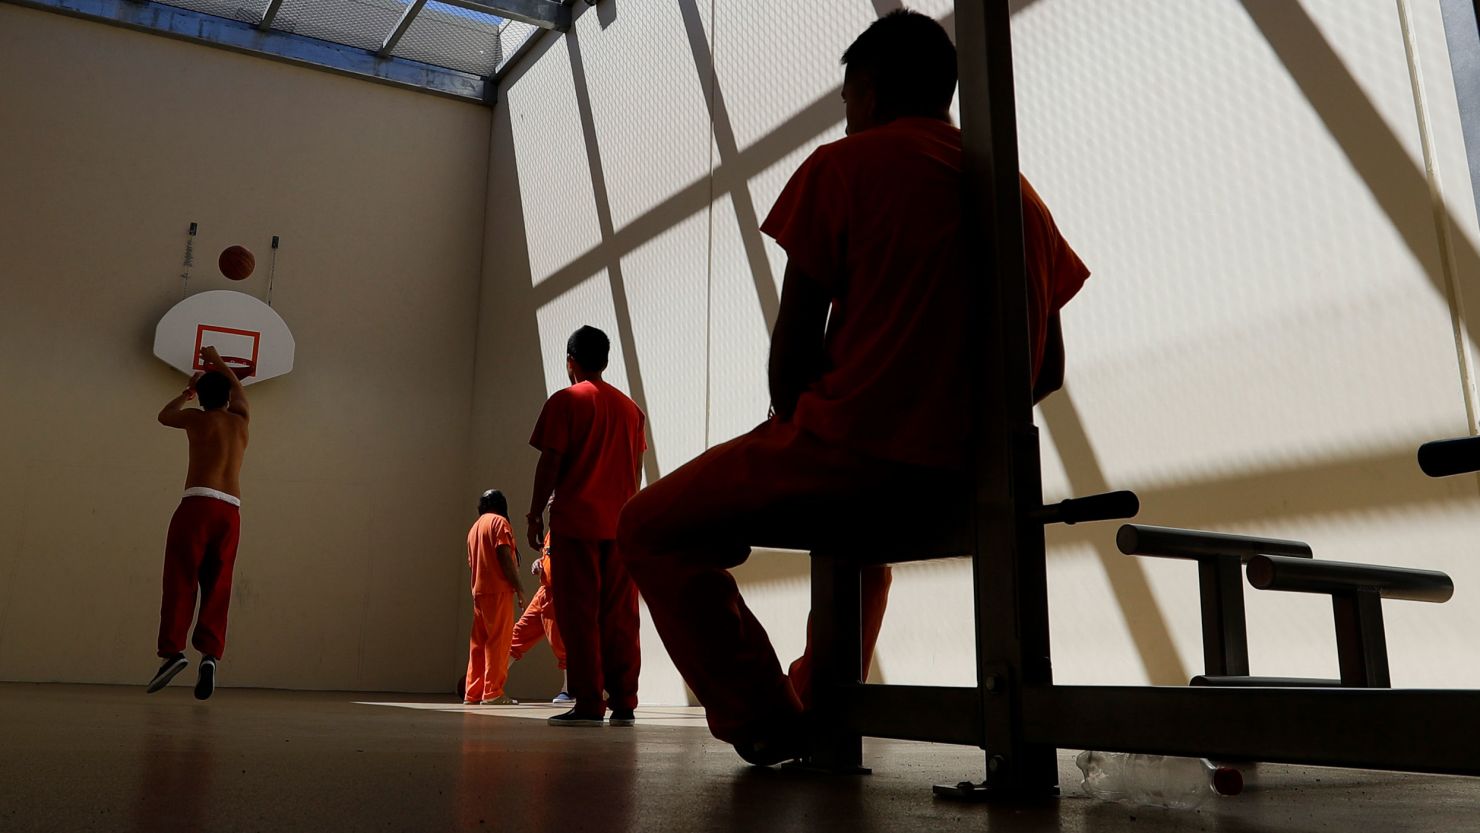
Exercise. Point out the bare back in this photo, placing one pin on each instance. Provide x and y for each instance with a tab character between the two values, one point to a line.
218	441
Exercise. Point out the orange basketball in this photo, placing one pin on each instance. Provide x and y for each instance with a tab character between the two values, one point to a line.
237	262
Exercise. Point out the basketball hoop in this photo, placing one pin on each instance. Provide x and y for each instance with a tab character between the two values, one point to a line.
250	336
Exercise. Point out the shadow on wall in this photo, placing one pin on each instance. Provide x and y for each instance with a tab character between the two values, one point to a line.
615	281
606	13
731	176
1375	152
508	374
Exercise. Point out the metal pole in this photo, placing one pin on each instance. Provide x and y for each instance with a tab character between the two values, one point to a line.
1009	572
394	37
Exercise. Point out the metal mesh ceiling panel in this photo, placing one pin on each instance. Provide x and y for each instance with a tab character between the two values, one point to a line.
453	37
247	11
361	23
513	37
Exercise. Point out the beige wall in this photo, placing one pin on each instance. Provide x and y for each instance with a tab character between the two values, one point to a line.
1266	339
351	570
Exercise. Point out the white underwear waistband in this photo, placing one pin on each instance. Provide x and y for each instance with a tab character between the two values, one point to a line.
206	491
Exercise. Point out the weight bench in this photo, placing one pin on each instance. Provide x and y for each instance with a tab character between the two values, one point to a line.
846	709
1356	592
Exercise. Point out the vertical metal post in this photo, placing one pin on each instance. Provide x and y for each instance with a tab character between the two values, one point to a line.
1008	563
837	645
1225	631
1361	640
1462	37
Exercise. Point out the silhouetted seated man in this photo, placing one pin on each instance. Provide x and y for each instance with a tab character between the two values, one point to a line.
869	374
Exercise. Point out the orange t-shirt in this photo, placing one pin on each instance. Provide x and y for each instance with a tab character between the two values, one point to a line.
490	532
874	218
599	434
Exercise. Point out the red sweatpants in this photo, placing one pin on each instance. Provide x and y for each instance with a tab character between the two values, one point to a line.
597	615
488	646
199	554
538	622
681	535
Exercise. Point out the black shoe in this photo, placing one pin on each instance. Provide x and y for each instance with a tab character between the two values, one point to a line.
622	717
571	718
205	684
172	666
774	750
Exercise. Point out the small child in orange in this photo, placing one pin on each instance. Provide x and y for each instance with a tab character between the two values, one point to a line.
538	622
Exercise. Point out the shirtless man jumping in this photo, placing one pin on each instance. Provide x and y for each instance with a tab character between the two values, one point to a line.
200	549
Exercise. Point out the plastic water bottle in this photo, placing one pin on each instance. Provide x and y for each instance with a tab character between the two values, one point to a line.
1157	780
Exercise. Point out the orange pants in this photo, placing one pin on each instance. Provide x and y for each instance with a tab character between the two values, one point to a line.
682	534
488	648
537	623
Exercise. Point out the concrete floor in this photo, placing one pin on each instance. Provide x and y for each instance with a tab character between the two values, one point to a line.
80	758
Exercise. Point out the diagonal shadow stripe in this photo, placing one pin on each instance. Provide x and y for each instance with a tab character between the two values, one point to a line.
731	176
817	117
1143	617
613	265
723	134
883	7
1369	144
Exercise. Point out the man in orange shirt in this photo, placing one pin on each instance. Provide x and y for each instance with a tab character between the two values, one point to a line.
870	374
493	559
538	622
590	438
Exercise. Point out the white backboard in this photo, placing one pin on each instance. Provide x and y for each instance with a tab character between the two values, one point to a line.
238	325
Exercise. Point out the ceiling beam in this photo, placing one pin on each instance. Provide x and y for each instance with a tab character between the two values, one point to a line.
238	36
269	14
402	25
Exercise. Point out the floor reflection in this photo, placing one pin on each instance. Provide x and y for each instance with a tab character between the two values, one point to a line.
177	769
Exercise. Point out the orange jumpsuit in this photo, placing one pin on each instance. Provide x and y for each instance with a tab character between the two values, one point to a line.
493	608
598	431
538	620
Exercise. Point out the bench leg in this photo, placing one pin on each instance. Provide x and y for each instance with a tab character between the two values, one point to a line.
1225	632
837	655
1361	642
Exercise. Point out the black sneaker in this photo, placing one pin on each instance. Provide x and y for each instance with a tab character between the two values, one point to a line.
622	717
205	684
172	666
571	718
